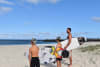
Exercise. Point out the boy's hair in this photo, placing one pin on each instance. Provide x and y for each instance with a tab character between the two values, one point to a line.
33	40
58	39
69	29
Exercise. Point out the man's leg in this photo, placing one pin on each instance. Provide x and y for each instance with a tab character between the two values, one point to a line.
70	59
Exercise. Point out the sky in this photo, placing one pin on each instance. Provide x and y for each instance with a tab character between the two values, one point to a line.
45	19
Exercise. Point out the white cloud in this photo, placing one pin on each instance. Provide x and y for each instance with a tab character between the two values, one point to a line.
96	19
33	1
3	36
6	2
42	1
5	9
53	1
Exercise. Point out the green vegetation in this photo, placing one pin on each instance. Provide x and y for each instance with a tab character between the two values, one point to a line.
90	48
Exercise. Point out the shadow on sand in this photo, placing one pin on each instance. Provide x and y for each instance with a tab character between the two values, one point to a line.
54	65
49	65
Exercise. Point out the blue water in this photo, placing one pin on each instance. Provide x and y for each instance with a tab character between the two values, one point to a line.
22	42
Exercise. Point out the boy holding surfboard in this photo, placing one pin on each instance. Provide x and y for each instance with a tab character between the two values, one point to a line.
67	45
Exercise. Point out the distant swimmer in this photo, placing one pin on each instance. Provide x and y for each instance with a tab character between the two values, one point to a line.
34	54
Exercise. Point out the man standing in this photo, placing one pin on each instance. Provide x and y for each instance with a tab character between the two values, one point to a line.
33	55
69	42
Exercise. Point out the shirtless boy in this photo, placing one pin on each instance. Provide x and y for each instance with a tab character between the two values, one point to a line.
33	55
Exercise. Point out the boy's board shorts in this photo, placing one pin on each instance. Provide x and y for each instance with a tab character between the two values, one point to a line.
35	62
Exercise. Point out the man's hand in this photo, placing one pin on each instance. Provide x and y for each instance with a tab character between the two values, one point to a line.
65	47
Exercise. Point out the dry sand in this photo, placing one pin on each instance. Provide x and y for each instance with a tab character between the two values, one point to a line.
14	56
88	55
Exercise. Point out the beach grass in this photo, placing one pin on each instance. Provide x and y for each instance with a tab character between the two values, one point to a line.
90	48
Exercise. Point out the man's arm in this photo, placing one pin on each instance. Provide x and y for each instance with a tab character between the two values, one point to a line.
69	42
29	57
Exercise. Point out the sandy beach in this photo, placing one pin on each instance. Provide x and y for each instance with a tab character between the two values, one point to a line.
87	55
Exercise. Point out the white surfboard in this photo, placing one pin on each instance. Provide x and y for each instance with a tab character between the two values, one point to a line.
45	56
74	44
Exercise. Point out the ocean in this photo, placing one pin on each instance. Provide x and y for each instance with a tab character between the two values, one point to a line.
21	42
